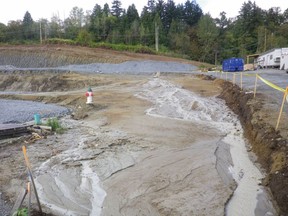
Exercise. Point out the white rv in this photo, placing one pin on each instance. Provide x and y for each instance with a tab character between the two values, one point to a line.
284	60
270	59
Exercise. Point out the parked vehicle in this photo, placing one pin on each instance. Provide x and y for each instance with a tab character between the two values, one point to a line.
233	65
274	58
284	60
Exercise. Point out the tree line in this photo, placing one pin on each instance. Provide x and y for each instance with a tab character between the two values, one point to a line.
180	28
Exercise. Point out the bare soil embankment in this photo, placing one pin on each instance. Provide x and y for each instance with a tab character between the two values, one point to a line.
259	118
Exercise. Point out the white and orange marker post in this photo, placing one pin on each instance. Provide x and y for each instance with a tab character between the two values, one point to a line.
89	95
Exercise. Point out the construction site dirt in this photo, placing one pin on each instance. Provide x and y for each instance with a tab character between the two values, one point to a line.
165	144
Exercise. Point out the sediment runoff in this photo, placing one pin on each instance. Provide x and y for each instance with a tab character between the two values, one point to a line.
208	174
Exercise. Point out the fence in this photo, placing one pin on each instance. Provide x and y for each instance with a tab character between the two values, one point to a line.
267	82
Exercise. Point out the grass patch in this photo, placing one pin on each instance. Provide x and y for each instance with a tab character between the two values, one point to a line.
21	212
55	125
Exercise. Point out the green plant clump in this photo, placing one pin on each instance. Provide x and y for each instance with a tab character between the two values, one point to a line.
55	125
21	212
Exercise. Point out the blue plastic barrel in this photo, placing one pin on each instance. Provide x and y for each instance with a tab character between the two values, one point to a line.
37	119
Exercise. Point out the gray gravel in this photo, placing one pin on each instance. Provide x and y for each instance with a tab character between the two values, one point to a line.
5	207
133	67
275	76
129	67
17	111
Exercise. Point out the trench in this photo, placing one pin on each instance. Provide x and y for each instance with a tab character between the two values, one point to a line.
233	162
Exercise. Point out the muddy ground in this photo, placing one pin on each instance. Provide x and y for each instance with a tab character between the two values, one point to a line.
258	117
111	113
116	122
113	109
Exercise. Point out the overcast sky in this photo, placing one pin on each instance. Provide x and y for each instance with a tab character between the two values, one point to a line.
15	9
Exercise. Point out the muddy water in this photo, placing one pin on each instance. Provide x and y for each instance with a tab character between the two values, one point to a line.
249	198
186	156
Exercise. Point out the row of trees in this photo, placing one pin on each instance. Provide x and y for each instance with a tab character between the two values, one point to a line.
182	28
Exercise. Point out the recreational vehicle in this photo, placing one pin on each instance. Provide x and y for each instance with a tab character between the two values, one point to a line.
270	59
284	60
275	58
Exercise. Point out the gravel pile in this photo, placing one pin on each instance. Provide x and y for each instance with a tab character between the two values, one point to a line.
133	67
129	67
17	111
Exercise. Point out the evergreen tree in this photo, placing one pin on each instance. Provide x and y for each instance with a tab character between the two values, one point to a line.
273	18
169	14
95	22
250	18
207	33
147	21
27	23
117	10
132	14
106	10
151	6
192	12
160	8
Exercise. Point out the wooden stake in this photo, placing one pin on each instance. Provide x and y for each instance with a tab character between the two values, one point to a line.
31	177
255	87
19	201
29	198
241	82
281	109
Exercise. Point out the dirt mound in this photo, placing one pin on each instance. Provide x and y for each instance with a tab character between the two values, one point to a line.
269	145
45	82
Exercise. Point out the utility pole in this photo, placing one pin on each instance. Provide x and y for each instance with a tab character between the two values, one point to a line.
216	57
40	33
156	37
265	41
45	32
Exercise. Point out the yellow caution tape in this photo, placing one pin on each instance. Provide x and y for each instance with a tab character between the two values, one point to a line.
271	84
249	75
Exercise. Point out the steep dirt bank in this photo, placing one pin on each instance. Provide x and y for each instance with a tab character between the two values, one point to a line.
47	81
258	118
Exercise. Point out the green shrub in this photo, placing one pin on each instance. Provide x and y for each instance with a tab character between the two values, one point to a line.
55	125
21	212
59	41
84	38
